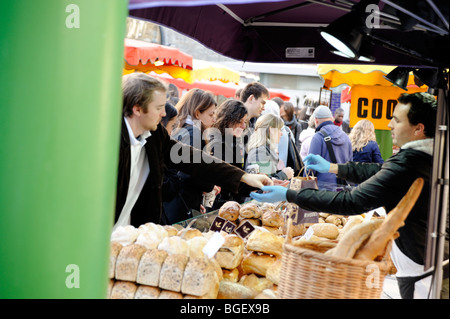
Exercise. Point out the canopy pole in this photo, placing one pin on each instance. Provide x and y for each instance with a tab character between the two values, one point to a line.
60	118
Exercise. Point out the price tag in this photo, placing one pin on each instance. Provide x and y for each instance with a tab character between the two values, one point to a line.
228	227
307	235
218	224
213	245
244	230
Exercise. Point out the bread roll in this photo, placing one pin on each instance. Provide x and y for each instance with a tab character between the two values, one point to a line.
147	292
258	264
149	239
172	271
296	230
189	233
272	219
128	262
232	290
256	283
115	249
196	245
174	245
171	230
126	235
326	230
266	242
199	277
150	267
123	290
230	210
250	210
231	253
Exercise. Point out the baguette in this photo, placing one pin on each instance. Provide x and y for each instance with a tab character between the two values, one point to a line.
394	220
352	240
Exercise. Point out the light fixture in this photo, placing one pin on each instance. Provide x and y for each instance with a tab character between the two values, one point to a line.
343	34
431	77
364	54
399	77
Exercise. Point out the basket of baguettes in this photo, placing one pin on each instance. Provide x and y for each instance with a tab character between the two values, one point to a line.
353	267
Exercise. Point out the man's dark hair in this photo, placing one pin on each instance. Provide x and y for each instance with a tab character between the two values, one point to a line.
423	109
256	89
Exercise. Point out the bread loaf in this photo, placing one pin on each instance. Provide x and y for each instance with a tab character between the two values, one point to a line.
233	290
199	277
150	267
352	221
258	264
171	230
189	233
266	242
230	210
123	290
273	272
250	210
196	245
256	283
126	235
352	240
147	292
115	249
174	245
394	220
326	230
231	253
172	271
128	261
167	294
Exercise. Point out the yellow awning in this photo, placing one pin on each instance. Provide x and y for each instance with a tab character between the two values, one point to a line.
205	70
337	74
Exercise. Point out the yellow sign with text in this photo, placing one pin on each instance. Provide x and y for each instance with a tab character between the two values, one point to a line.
376	103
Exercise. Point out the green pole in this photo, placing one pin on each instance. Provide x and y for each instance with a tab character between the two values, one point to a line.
384	141
60	110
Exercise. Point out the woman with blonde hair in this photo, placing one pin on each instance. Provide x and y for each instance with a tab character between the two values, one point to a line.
263	147
364	143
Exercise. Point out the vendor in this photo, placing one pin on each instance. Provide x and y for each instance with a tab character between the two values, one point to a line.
145	147
413	129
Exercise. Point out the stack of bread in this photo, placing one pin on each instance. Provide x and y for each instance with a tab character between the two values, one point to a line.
155	261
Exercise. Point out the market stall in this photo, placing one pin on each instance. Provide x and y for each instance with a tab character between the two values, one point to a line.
254	251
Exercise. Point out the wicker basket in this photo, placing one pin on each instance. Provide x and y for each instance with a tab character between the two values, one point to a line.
309	274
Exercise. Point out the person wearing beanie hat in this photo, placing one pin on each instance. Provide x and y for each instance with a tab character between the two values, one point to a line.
340	143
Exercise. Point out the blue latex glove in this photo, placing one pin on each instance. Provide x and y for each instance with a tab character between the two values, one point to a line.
317	163
274	194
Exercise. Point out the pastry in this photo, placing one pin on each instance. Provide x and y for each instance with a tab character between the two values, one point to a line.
230	210
250	210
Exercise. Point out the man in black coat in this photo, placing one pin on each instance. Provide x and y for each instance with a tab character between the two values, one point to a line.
145	147
413	129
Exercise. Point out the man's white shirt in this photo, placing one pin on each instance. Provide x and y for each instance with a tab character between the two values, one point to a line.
139	171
